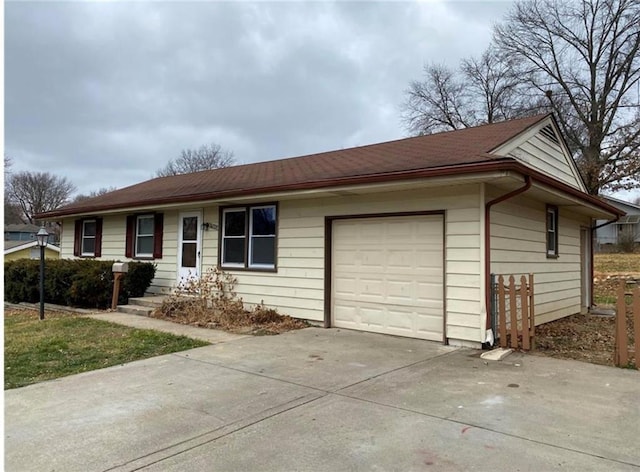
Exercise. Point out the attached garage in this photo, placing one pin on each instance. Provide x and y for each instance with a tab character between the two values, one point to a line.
387	275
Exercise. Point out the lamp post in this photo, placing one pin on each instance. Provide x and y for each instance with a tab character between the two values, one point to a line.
42	236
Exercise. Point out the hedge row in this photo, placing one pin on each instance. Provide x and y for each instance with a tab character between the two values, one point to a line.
74	282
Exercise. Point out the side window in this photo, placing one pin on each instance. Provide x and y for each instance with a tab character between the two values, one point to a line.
87	239
234	229
552	231
248	238
262	242
144	236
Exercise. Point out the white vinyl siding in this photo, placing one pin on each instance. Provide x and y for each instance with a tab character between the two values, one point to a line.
546	156
297	288
113	246
519	246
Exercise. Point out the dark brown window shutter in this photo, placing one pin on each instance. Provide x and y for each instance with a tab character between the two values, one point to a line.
157	235
98	249
77	239
130	236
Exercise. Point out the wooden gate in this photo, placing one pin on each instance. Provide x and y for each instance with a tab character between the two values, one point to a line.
515	312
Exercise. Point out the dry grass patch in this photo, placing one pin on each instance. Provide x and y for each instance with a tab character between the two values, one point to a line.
612	264
211	302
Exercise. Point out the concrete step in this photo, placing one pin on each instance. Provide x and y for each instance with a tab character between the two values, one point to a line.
148	301
135	309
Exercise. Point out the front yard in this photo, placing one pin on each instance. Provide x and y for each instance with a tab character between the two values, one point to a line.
65	344
590	338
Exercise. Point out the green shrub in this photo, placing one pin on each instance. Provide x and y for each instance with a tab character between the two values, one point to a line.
83	283
138	279
21	281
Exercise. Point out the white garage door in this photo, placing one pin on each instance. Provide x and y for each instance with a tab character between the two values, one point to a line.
387	275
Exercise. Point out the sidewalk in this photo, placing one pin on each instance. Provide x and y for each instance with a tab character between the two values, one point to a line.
142	322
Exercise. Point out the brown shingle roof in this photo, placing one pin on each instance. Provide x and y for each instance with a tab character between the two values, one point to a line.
449	150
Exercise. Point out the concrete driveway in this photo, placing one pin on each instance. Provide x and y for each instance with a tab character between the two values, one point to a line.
328	400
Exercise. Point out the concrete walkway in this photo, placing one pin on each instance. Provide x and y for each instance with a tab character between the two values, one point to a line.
144	322
328	400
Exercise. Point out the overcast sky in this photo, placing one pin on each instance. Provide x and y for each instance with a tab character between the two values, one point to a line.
106	93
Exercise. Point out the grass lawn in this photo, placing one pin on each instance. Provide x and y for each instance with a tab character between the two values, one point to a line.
65	344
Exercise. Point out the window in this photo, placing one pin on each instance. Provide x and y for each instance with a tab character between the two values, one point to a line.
88	238
249	237
552	231
144	236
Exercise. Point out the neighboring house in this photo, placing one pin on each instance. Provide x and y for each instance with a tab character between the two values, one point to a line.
28	250
626	225
20	232
398	237
24	232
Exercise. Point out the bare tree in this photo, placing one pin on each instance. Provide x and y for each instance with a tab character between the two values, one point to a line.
93	194
38	192
206	157
585	56
482	90
12	213
437	103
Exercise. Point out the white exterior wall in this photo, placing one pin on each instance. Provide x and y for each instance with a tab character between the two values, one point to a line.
518	247
113	246
540	153
297	288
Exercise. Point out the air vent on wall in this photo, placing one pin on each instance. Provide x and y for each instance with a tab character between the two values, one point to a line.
550	133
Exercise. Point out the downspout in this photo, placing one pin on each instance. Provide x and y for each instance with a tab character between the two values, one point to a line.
487	249
593	232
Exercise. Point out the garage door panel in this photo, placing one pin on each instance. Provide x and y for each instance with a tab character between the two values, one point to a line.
387	275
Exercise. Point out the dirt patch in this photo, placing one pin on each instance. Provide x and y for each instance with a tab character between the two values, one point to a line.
590	337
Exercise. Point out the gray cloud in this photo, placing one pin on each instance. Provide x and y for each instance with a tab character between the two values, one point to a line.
106	93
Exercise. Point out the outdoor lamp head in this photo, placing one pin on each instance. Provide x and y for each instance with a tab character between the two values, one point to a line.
42	237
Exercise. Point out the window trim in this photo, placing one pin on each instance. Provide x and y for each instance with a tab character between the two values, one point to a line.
233	265
248	236
85	237
78	238
143	255
552	233
131	236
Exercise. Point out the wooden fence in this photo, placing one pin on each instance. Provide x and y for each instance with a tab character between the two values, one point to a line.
516	317
622	354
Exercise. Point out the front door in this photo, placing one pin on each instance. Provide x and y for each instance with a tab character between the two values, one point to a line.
189	243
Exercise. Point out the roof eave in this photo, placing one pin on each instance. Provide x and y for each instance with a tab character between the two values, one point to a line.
497	164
